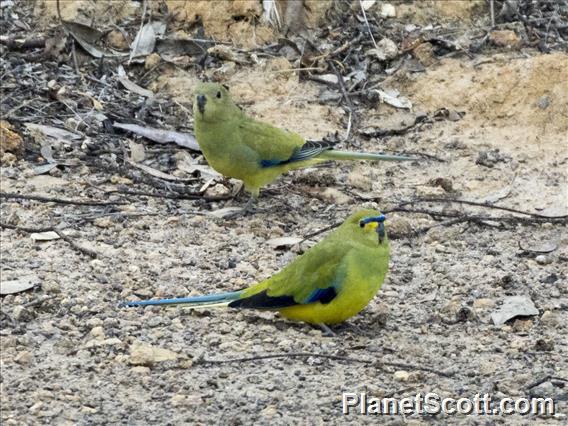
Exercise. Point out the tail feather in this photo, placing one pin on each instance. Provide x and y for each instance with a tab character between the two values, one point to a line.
210	300
332	154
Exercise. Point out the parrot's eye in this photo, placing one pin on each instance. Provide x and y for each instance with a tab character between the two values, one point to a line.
362	224
219	95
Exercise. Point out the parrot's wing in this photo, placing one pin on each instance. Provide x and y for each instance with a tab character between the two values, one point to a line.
316	276
310	149
271	144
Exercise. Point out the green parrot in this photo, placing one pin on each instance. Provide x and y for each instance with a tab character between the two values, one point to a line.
329	283
256	153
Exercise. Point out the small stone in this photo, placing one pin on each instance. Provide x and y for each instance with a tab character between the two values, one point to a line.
399	226
116	40
549	318
545	389
465	314
488	368
335	196
504	38
430	191
544	345
270	411
151	61
120	180
483	304
137	151
452	307
543	102
543	259
98	332
155	321
34	409
51	287
8	159
424	52
22	314
550	279
94	322
24	358
103	222
444	183
140	370
401	376
145	354
489	158
10	141
218	190
278	64
387	10
386	50
522	325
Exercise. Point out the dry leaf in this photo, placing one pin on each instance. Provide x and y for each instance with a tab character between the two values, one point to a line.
18	285
45	236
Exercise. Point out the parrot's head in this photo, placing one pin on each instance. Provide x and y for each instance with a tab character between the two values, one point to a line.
369	224
213	103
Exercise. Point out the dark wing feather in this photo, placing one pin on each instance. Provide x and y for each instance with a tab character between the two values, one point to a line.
309	150
263	301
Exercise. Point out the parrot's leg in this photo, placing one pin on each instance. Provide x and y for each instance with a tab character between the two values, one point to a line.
249	206
326	331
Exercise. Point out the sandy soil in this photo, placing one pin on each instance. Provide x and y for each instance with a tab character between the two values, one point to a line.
69	355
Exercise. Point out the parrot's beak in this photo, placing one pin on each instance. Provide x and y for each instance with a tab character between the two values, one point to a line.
201	101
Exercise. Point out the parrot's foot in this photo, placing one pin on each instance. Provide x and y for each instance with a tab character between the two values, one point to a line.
247	209
326	331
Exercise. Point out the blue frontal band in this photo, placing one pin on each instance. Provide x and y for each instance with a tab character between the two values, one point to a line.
379	219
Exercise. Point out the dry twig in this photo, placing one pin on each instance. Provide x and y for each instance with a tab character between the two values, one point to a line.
43	199
377	364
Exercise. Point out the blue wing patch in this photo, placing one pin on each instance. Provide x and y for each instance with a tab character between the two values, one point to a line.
323	295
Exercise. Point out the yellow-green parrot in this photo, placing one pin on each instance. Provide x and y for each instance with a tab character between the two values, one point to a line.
329	283
256	153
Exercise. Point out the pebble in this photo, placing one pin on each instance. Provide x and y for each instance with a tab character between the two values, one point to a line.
504	38
116	40
543	102
22	314
24	357
140	370
145	354
51	287
333	195
401	376
98	332
542	259
483	304
151	61
549	318
103	222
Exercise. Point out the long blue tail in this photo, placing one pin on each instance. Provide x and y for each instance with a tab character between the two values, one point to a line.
202	301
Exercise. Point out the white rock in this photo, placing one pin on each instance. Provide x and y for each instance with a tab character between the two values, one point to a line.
388	10
145	354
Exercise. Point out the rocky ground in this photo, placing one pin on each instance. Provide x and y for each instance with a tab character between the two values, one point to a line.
490	128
